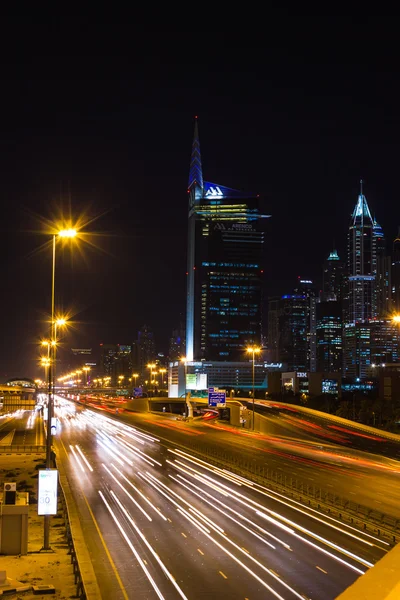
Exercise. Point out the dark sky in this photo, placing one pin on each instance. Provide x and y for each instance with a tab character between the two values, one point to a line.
98	121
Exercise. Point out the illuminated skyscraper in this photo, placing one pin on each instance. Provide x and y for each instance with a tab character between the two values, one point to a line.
329	336
293	327
382	269
396	274
225	240
361	263
333	278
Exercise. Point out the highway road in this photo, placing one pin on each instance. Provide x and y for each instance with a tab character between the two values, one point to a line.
161	523
176	526
289	451
22	428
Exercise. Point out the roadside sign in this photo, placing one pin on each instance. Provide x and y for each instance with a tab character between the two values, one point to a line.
47	493
216	397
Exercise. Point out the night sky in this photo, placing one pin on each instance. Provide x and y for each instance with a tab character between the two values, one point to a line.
98	123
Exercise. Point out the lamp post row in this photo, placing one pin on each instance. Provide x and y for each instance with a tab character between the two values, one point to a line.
66	233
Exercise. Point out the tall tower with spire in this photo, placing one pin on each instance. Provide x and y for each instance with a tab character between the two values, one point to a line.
224	268
195	191
361	262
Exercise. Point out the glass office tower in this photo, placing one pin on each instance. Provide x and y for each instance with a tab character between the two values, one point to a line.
225	241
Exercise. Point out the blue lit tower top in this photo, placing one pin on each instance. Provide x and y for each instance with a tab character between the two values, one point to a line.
196	172
361	211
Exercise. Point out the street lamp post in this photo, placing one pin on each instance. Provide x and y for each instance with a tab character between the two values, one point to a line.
151	366
135	376
67	233
162	371
253	350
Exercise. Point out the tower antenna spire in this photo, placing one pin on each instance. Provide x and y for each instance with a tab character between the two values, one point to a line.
196	171
361	185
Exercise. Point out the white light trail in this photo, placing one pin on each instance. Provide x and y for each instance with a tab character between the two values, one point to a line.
226	551
139	492
150	547
141	563
84	458
127	493
256	507
76	458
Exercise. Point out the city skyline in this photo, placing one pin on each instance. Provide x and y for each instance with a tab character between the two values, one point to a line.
302	140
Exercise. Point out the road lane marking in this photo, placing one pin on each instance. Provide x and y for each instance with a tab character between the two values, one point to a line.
223	574
198	550
184	534
323	570
274	572
114	568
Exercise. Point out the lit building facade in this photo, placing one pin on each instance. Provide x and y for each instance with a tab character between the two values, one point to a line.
361	263
306	288
357	355
225	243
143	351
293	325
383	289
369	345
177	346
329	337
333	278
395	282
116	362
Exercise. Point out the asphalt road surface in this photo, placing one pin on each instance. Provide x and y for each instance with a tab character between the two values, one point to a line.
175	526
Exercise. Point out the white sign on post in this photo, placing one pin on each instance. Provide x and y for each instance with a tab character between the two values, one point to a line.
47	493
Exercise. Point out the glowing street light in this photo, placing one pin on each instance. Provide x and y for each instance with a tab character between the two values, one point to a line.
253	350
396	319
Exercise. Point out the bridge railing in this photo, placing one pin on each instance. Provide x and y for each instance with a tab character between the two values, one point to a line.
13	449
363	517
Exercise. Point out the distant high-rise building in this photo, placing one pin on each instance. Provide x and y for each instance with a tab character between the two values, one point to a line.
361	263
225	241
375	342
396	274
357	350
107	353
329	336
382	269
333	278
292	323
385	341
177	347
115	361
306	288
274	307
144	350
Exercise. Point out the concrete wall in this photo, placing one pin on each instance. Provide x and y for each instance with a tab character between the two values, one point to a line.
382	582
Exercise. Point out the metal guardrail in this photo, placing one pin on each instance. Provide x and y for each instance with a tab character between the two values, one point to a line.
80	589
14	449
370	520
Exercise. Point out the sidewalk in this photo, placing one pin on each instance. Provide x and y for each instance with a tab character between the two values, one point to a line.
36	568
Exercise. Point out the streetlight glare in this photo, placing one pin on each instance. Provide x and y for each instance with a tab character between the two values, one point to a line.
60	322
254	349
67	233
396	318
